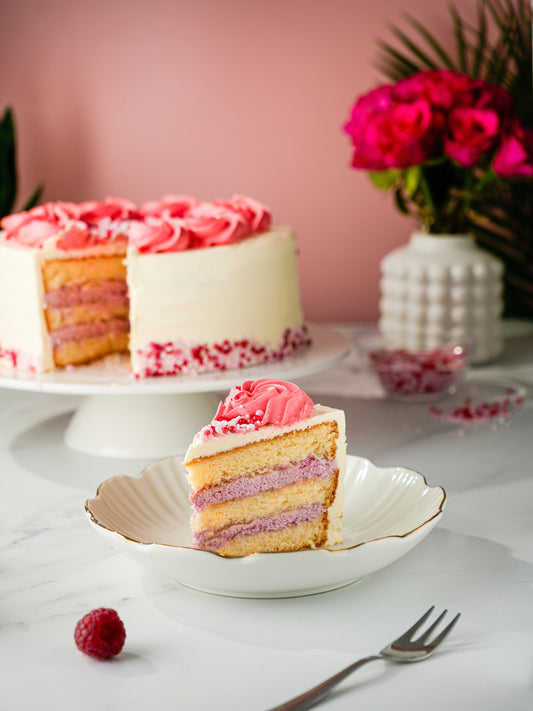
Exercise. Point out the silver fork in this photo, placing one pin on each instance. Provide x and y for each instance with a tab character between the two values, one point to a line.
403	649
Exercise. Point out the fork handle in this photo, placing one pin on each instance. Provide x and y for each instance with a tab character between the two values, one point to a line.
312	696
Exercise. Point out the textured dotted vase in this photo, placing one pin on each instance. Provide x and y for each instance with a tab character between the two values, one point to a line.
440	289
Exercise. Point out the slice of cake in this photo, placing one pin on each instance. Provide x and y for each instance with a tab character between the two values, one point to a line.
267	473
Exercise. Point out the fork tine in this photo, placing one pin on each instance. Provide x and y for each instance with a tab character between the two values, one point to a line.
406	636
446	631
432	628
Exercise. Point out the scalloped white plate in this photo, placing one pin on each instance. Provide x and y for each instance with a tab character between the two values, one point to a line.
387	512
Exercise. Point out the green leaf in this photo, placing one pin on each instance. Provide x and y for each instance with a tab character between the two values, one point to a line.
8	172
34	197
426	61
400	202
426	192
399	64
433	43
411	178
384	179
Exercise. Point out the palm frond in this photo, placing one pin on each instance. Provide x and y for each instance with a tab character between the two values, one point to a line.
445	60
478	52
460	40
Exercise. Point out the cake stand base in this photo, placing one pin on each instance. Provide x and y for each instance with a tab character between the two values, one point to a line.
139	426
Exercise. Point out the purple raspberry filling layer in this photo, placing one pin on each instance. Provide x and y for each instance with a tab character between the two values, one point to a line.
277	478
112	292
210	539
88	330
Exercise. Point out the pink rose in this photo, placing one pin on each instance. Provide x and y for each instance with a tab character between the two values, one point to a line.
471	132
443	89
489	96
214	225
408	133
514	158
266	402
366	108
169	206
402	135
154	235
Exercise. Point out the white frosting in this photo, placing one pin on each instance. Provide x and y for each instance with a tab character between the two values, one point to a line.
22	323
209	295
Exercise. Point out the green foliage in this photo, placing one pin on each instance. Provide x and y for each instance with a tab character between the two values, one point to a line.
497	48
384	179
8	168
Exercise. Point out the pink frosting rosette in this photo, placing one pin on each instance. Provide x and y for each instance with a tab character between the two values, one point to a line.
154	234
111	209
174	223
266	402
215	225
34	227
97	221
256	215
170	206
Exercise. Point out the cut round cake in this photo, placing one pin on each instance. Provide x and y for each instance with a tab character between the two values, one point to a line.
267	473
183	286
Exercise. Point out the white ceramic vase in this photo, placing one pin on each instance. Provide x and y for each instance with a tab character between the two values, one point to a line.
442	289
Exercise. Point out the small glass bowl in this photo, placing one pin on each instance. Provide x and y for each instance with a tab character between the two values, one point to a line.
417	375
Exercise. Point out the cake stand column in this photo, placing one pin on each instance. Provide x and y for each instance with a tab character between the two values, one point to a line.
139	426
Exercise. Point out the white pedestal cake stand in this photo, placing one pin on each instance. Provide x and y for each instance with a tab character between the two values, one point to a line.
158	417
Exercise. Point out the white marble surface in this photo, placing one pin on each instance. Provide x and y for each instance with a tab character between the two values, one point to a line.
195	651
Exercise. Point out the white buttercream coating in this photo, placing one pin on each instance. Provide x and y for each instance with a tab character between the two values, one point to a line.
22	323
249	289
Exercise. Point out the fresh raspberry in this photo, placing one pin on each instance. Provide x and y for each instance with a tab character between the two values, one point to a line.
100	634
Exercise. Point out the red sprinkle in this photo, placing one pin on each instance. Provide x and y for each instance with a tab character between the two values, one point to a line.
470	413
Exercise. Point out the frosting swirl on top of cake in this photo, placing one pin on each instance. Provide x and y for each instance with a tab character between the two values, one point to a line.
171	224
260	403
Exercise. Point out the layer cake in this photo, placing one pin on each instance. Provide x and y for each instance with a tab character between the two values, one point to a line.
183	286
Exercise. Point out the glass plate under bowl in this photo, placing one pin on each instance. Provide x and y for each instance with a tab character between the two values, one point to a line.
387	512
480	401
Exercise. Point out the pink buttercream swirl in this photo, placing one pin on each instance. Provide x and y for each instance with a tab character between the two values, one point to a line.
75	226
182	222
265	402
34	227
170	206
256	216
174	223
156	234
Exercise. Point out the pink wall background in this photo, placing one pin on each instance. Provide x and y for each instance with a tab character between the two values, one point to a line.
140	98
